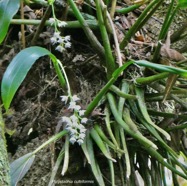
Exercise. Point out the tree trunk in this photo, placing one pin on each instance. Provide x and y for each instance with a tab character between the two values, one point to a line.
4	163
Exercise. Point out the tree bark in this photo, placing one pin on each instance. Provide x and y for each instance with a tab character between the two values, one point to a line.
4	163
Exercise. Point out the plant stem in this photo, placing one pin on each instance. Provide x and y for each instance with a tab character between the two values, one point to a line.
66	78
22	25
167	22
178	127
146	14
102	92
70	24
150	79
41	25
167	115
113	7
55	168
52	139
108	126
128	9
120	93
56	64
92	38
118	52
66	156
121	102
110	63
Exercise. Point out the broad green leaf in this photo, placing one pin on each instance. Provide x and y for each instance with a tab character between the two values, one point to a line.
8	9
20	167
17	71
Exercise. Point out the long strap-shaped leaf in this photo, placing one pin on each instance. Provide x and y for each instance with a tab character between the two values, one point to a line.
143	108
137	135
100	144
18	69
8	9
150	128
162	68
103	91
94	166
147	144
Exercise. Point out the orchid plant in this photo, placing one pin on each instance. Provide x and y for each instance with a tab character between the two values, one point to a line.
127	121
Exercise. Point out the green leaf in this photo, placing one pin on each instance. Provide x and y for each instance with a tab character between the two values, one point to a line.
8	9
162	68
100	144
183	3
118	71
17	70
94	165
20	167
102	92
143	109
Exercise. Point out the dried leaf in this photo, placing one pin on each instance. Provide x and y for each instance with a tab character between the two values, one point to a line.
171	54
169	85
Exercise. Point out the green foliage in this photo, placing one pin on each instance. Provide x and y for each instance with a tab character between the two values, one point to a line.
20	167
103	91
163	68
182	3
18	69
127	133
8	9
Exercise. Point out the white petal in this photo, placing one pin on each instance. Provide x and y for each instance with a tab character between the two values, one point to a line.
74	118
61	40
73	132
81	112
72	105
77	107
84	120
53	40
68	45
82	135
72	140
60	48
64	98
82	130
67	120
67	38
80	141
51	21
56	34
62	23
75	98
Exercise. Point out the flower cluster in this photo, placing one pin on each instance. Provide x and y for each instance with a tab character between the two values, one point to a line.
57	39
52	21
74	123
62	42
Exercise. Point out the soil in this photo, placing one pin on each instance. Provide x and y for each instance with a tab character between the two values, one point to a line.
37	108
